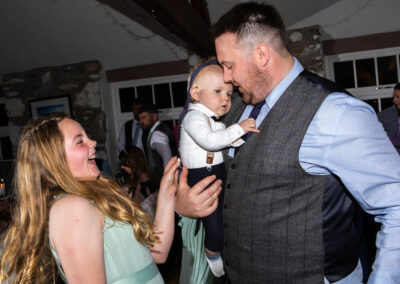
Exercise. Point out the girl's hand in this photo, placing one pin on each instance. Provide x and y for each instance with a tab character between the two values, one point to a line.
164	221
169	181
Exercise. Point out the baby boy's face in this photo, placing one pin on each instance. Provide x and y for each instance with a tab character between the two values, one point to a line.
214	93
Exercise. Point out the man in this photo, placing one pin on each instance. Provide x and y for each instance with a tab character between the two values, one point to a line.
158	141
390	119
287	216
131	132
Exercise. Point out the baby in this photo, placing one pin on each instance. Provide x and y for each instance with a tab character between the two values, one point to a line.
202	137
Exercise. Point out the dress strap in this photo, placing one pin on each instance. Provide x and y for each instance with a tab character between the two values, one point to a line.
141	276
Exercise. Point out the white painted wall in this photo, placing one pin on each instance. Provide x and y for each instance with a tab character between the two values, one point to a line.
37	33
350	18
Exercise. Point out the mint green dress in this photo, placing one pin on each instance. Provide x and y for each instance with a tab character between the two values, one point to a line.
194	268
126	260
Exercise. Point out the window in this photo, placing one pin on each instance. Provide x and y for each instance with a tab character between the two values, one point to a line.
368	75
168	93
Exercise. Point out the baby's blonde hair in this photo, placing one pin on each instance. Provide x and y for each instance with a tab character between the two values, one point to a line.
200	73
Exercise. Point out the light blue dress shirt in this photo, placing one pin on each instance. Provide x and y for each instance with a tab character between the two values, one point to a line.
346	139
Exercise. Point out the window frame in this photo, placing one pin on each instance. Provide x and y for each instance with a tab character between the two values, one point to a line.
365	93
165	113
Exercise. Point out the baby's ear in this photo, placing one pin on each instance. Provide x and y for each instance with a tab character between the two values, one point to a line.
194	93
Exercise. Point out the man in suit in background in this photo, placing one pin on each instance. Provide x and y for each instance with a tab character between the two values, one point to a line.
390	119
131	132
158	140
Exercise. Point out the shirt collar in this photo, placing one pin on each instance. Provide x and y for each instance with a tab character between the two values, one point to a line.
154	126
279	89
202	108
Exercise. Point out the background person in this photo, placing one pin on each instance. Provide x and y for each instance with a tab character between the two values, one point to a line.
158	141
390	119
131	133
136	181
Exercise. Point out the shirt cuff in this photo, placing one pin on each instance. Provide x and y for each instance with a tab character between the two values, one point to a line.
235	132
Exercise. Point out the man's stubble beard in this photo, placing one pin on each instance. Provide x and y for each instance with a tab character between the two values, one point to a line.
261	87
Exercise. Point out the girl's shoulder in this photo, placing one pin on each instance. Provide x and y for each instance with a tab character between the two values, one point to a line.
69	208
71	201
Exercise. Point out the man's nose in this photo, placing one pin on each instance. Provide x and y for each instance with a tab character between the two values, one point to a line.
227	77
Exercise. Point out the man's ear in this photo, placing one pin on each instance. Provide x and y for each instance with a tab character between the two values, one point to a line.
262	54
194	93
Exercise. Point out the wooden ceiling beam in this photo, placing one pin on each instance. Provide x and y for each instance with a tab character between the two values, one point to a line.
174	20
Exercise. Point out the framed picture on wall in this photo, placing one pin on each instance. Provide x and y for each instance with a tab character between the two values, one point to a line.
46	106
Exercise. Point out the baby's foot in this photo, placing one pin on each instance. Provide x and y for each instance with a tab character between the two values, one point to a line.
216	265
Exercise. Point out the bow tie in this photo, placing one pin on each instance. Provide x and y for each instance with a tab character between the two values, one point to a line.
216	119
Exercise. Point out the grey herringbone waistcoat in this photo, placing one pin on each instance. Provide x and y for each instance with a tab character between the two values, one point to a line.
273	209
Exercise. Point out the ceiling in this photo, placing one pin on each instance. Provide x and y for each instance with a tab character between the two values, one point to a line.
37	33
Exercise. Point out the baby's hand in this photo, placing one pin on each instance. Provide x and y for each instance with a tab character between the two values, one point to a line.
249	125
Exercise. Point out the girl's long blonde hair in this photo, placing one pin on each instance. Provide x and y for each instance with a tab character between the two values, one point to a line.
41	174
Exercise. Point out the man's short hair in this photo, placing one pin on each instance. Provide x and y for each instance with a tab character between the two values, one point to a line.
149	109
244	19
397	86
138	101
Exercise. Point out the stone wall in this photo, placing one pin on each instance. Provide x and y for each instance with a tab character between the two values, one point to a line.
79	81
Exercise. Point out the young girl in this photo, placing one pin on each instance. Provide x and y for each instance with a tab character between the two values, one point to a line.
202	137
67	214
137	182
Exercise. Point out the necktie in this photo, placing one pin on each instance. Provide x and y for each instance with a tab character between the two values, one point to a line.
253	114
135	136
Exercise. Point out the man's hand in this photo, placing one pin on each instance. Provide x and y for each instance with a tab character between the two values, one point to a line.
196	202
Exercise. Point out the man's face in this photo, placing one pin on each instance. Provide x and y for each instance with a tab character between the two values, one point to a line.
240	69
396	98
135	109
147	120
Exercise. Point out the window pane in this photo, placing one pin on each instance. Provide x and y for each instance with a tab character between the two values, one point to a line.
344	74
3	115
365	72
387	70
374	104
179	93
162	95
6	148
386	102
145	93
126	95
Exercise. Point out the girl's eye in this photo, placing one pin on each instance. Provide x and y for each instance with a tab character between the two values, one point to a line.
218	91
229	94
79	142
